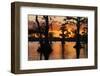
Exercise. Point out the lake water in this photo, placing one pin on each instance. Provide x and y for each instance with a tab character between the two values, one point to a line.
69	51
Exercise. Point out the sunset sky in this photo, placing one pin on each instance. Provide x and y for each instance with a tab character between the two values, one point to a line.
55	23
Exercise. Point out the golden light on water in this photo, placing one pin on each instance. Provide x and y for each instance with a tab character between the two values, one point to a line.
70	52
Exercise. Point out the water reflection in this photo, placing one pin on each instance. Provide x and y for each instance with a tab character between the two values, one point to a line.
69	52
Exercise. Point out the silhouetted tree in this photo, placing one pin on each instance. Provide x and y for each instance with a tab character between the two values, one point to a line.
45	47
78	44
84	36
40	38
63	35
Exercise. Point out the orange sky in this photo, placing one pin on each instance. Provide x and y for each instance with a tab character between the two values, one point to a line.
57	21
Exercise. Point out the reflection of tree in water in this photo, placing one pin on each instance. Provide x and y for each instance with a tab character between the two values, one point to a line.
45	50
